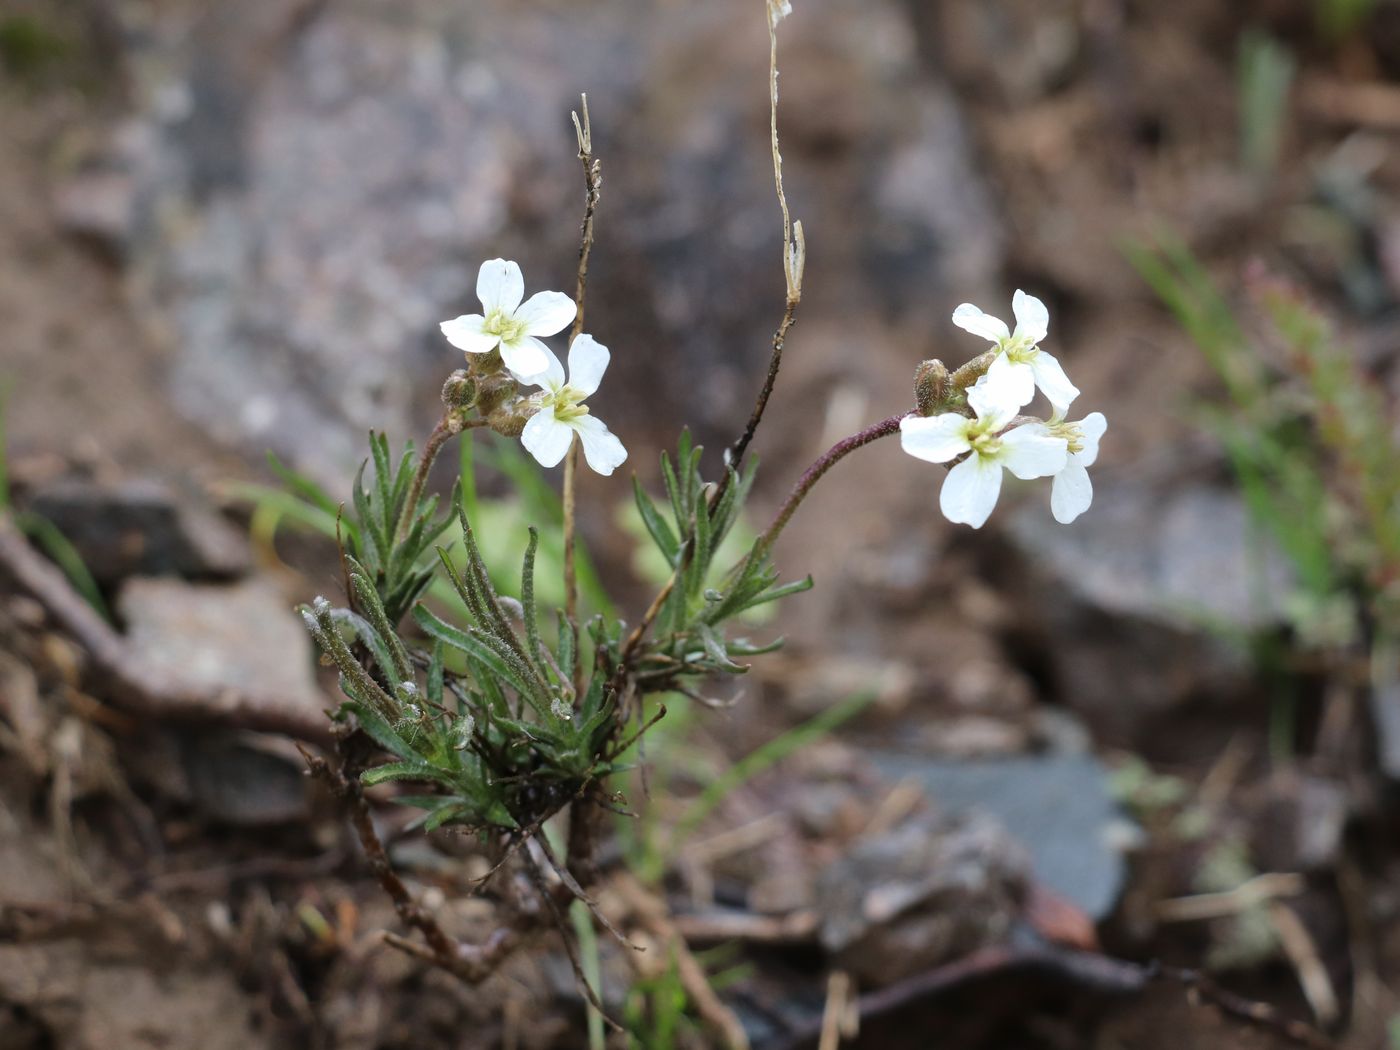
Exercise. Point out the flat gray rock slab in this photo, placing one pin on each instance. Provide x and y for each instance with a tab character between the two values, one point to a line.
209	636
1057	806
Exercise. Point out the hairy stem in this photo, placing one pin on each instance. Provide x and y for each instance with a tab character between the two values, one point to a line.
448	426
813	474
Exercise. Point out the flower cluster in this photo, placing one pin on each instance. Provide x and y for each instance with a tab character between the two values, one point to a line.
511	326
987	434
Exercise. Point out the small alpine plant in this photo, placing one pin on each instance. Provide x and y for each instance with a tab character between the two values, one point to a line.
501	715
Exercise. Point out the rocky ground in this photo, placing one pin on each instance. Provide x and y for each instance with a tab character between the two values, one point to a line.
233	228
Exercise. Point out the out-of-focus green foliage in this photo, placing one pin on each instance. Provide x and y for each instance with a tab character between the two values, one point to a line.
1310	438
1341	18
1265	69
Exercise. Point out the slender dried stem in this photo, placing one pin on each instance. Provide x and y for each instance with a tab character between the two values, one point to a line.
592	180
794	260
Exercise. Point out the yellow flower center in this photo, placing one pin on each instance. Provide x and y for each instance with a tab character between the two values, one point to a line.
981	438
1019	350
502	324
1072	434
565	402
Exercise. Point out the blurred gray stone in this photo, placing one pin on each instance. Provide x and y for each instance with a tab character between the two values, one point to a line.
1295	821
316	185
99	207
1145	600
210	636
1057	806
1384	700
1184	555
140	528
931	890
245	779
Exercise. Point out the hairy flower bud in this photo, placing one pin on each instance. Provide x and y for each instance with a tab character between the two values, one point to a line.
930	386
460	390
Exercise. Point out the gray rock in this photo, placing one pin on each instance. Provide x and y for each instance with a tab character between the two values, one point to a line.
932	889
1295	821
1144	600
204	637
140	528
1184	556
248	779
1058	807
99	207
316	185
1384	699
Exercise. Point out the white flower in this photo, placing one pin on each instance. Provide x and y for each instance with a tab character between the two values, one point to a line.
1022	365
970	491
509	323
550	431
778	10
1072	491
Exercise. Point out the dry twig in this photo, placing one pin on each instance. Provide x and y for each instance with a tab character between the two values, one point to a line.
1081	969
652	913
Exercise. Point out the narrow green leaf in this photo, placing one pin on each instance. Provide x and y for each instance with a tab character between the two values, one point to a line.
376	555
655	524
407	770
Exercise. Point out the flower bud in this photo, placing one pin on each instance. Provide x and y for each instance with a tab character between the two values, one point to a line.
930	386
460	390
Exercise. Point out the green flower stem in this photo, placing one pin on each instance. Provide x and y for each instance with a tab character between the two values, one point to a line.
813	474
570	567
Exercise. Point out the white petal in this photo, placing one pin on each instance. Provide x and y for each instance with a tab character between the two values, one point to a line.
1053	382
550	378
545	438
500	285
971	319
1072	492
527	356
1092	428
588	360
1032	452
999	394
970	491
936	439
601	447
1032	318
465	334
546	313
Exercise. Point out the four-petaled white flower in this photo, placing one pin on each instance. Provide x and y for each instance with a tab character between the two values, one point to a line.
550	431
509	323
1072	491
1021	365
971	488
